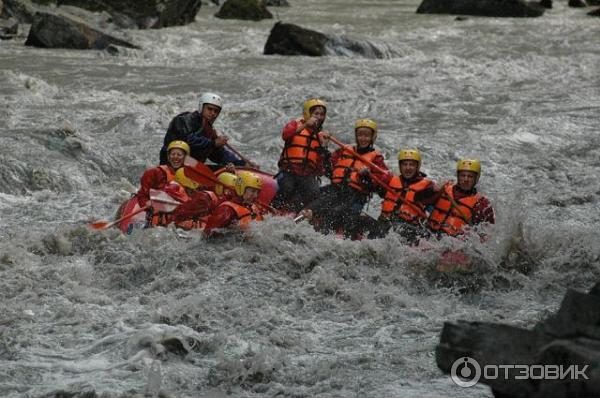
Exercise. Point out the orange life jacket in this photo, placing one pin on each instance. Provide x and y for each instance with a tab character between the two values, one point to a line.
244	215
446	218
168	172
301	149
391	207
346	169
163	219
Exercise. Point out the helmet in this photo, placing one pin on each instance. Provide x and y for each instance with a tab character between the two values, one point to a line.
409	154
469	165
247	179
311	103
179	144
370	123
227	180
184	180
211	98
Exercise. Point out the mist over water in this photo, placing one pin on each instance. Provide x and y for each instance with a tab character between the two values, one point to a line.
285	310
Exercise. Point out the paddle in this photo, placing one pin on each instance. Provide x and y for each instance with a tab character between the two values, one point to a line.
107	224
377	179
160	201
203	175
245	159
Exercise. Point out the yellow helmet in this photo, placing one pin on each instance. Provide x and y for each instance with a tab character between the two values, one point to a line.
227	181
184	180
473	165
409	154
247	179
311	103
179	144
370	123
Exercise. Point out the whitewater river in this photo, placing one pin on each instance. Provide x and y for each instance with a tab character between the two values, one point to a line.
286	311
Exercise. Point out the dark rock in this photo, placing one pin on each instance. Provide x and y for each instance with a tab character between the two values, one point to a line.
147	14
253	10
22	10
578	315
487	8
290	39
593	2
578	353
59	31
277	3
491	344
577	3
0	7
460	18
9	27
595	13
546	3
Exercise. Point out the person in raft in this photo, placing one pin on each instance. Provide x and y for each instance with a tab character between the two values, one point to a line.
239	209
341	203
196	129
303	158
159	177
403	208
460	205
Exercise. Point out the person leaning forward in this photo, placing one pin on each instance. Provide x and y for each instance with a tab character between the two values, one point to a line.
303	158
196	128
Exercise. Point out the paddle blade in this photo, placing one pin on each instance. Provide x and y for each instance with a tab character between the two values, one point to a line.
162	202
101	224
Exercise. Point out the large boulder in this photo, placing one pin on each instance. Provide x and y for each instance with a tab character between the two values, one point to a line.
290	39
486	8
59	31
569	339
577	3
252	10
595	13
147	14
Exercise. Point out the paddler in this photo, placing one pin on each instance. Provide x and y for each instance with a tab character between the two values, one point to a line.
196	129
340	205
303	158
460	205
403	207
239	210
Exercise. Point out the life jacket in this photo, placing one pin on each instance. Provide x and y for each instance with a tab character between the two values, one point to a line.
301	150
168	172
446	218
244	215
392	207
346	169
199	222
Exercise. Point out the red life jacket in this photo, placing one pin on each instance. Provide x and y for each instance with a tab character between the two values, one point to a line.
346	169
393	208
447	218
301	150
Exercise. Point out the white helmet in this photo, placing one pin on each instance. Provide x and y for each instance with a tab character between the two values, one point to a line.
211	98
